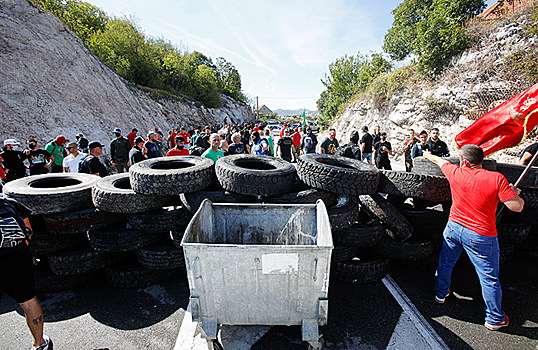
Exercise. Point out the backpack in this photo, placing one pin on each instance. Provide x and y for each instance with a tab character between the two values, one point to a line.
13	230
84	165
308	144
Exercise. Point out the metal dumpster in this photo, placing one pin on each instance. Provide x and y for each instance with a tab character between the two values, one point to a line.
259	264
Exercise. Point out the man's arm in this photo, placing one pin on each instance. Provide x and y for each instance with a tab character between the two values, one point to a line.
525	158
517	203
434	159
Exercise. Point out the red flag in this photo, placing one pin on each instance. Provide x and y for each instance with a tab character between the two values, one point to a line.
504	126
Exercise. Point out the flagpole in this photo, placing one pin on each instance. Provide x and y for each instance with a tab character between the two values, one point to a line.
519	180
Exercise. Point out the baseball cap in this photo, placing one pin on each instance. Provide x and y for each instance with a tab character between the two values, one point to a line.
383	133
95	144
138	139
117	130
10	142
365	128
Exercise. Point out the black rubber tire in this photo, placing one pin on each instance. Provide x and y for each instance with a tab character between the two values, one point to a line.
513	171
365	267
43	243
526	216
343	253
255	175
505	252
338	174
121	240
423	166
360	234
344	213
130	274
512	233
80	221
160	221
389	216
308	196
411	250
52	193
80	261
48	282
425	219
177	236
161	256
530	196
114	194
171	175
192	201
400	183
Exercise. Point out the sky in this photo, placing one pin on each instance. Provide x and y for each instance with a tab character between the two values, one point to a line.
281	48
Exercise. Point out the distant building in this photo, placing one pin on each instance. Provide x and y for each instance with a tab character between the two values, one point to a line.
504	8
263	111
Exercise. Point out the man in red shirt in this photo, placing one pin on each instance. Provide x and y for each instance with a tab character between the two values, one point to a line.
296	136
471	227
132	136
179	149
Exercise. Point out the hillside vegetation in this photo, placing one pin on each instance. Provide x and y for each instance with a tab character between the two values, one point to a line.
155	65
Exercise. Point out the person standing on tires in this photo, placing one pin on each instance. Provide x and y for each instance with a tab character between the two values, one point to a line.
17	270
382	149
119	152
471	227
330	144
367	142
91	164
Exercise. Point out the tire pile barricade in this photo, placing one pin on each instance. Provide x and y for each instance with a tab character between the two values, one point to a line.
128	227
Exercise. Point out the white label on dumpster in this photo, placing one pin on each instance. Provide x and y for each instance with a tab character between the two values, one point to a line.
280	264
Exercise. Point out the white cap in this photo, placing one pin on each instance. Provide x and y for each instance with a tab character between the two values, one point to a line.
10	142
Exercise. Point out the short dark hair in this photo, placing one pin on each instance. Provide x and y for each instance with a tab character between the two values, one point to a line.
423	132
435	129
473	154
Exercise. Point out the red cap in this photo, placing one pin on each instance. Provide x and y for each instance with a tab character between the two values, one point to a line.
60	140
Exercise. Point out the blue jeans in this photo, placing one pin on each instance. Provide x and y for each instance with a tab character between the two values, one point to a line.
484	254
367	156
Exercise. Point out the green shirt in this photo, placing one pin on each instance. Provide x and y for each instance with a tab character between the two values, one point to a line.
56	151
329	146
213	155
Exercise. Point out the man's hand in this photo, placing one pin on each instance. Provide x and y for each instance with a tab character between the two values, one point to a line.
515	189
434	159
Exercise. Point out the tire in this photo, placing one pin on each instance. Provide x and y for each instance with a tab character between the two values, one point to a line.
171	175
512	234
389	216
177	236
44	243
80	221
121	240
344	213
160	221
161	256
513	171
114	194
343	253
48	282
191	201
52	193
365	267
308	196
80	261
530	196
255	175
338	174
428	187
130	274
360	235
411	250
425	219
526	216
423	166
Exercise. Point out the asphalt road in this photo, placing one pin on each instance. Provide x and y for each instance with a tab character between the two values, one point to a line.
97	316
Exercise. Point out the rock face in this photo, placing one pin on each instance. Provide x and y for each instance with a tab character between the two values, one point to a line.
51	84
473	85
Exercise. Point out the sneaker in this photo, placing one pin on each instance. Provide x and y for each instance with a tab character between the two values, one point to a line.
442	300
493	327
47	345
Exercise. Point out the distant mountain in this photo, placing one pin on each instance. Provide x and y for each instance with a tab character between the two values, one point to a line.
285	112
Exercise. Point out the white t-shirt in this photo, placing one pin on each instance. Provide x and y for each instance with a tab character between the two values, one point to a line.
73	162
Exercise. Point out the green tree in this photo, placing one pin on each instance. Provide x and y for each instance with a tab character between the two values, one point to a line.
431	30
229	78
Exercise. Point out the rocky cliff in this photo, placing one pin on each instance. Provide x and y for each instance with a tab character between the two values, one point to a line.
474	84
51	84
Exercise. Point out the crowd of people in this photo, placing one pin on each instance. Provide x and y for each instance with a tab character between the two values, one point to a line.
212	141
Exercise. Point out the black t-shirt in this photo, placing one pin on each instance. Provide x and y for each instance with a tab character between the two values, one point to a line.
381	154
285	144
92	165
83	143
38	159
532	149
13	161
136	155
367	140
239	148
439	148
13	230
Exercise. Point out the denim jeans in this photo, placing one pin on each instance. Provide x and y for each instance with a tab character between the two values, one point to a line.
484	254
